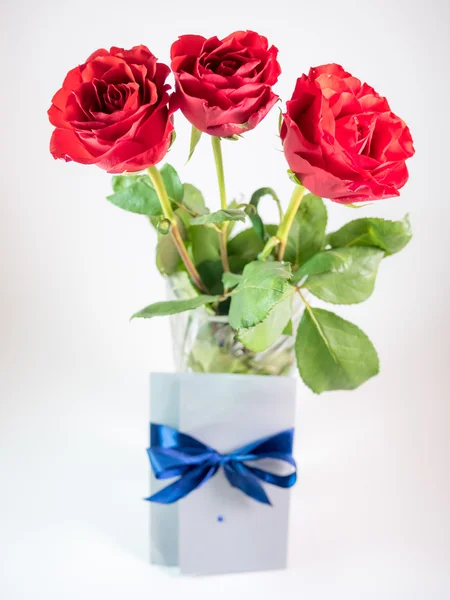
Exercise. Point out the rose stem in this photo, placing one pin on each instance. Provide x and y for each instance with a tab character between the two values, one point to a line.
287	220
158	184
270	245
217	150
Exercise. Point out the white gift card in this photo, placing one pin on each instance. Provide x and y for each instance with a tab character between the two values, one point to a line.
217	528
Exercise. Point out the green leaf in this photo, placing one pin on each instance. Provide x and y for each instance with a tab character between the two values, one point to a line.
263	286
260	193
205	244
266	333
211	272
172	182
172	307
121	182
232	224
280	120
289	329
293	177
195	138
257	223
307	233
193	199
135	194
208	357
231	280
342	276
333	354
220	216
390	236
168	259
319	263
206	256
244	248
254	201
185	217
351	205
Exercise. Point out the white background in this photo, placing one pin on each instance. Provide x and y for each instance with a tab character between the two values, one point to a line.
371	515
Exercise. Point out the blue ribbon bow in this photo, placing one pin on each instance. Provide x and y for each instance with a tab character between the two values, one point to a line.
176	454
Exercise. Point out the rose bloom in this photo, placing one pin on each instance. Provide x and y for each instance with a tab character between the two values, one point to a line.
341	139
112	111
224	87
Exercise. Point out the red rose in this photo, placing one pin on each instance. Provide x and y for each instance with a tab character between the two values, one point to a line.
341	139
224	87
112	111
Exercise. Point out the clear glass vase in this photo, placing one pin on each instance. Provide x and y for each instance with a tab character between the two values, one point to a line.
204	342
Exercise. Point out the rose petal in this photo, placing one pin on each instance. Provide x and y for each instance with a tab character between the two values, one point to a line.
113	110
187	45
65	144
341	139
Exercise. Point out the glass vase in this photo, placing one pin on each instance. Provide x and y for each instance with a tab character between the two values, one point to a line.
204	342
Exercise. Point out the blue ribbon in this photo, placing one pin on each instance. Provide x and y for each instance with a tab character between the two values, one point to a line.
176	454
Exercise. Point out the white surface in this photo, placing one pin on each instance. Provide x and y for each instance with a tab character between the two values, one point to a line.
371	509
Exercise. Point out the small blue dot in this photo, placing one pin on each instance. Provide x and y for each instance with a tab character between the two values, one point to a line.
220	518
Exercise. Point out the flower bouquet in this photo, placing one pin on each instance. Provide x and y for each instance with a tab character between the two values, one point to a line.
240	295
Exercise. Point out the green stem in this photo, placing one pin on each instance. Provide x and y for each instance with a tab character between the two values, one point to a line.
217	150
223	248
286	223
160	188
270	245
158	184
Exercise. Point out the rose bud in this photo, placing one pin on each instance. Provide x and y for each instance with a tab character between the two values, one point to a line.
224	87
112	111
341	139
